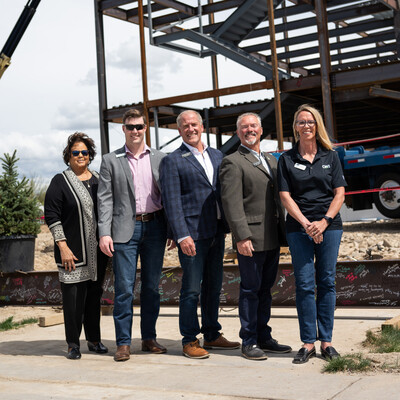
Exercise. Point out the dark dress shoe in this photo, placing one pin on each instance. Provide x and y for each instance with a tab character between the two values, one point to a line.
273	346
97	348
123	353
152	346
303	355
253	352
329	353
74	353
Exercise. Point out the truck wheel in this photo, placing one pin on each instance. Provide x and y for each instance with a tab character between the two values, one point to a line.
388	201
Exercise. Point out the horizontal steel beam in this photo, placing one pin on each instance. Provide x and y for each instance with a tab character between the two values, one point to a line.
211	93
391	47
367	76
380	92
107	4
177	5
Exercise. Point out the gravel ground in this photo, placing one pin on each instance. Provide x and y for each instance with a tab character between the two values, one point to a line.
361	241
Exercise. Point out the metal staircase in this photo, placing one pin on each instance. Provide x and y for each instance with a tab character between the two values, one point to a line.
225	39
243	21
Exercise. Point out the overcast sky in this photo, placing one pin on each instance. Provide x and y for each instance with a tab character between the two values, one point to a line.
50	89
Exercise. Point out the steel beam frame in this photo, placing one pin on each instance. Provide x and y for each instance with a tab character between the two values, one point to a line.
101	79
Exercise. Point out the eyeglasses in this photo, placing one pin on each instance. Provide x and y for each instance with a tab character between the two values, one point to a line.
304	123
131	127
76	153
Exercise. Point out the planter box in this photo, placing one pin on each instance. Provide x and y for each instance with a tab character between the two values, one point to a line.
17	253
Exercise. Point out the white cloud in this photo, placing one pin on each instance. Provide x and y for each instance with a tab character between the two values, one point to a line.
90	79
79	116
159	62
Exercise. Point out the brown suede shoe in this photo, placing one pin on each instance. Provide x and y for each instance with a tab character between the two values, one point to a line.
194	350
152	346
221	344
123	353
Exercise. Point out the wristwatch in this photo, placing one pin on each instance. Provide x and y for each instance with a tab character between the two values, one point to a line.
328	219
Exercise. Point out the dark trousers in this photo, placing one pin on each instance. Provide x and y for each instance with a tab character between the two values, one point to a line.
202	278
81	305
257	275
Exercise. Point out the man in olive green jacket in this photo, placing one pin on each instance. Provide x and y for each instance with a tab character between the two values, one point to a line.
254	213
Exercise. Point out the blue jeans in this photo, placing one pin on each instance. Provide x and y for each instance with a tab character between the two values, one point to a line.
202	276
257	276
315	313
148	242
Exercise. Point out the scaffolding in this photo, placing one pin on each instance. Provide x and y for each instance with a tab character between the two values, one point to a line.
339	55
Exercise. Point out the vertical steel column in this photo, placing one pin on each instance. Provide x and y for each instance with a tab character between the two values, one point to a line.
150	19
325	61
215	82
155	114
144	70
101	78
286	35
275	75
214	66
207	125
396	20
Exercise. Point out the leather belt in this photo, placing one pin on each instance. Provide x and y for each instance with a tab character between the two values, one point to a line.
146	217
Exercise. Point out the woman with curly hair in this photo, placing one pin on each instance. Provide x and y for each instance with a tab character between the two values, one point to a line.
71	214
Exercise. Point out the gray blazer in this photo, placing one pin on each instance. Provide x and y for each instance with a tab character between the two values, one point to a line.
250	199
116	194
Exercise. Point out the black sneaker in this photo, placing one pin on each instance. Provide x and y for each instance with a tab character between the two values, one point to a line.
273	346
253	352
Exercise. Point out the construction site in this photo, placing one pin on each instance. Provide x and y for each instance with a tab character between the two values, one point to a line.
341	57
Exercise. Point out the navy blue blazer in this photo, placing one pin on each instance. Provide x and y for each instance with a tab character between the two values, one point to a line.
188	197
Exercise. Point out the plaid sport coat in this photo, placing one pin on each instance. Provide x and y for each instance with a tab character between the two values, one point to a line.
189	199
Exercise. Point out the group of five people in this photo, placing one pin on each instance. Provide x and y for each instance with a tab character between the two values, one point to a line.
144	200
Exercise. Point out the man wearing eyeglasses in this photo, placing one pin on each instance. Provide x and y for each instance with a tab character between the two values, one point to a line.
256	217
132	224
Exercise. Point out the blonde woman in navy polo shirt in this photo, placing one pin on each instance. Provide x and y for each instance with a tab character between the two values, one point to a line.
311	188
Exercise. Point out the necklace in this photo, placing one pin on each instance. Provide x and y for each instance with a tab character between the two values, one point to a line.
87	183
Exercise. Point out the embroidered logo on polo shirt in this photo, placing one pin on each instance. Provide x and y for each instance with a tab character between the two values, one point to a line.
326	166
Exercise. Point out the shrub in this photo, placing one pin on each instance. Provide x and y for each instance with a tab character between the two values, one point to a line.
19	207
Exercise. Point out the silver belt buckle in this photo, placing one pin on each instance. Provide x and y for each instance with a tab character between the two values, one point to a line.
142	216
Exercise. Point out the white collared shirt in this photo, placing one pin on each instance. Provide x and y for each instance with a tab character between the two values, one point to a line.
260	157
204	160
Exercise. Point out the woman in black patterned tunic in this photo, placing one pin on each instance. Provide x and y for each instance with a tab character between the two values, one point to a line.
71	214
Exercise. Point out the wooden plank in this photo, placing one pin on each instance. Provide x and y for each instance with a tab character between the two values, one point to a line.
51	320
393	323
107	310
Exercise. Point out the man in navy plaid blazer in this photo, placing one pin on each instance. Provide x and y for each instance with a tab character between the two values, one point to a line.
191	197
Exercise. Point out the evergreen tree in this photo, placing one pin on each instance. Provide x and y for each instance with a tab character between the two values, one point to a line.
19	207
